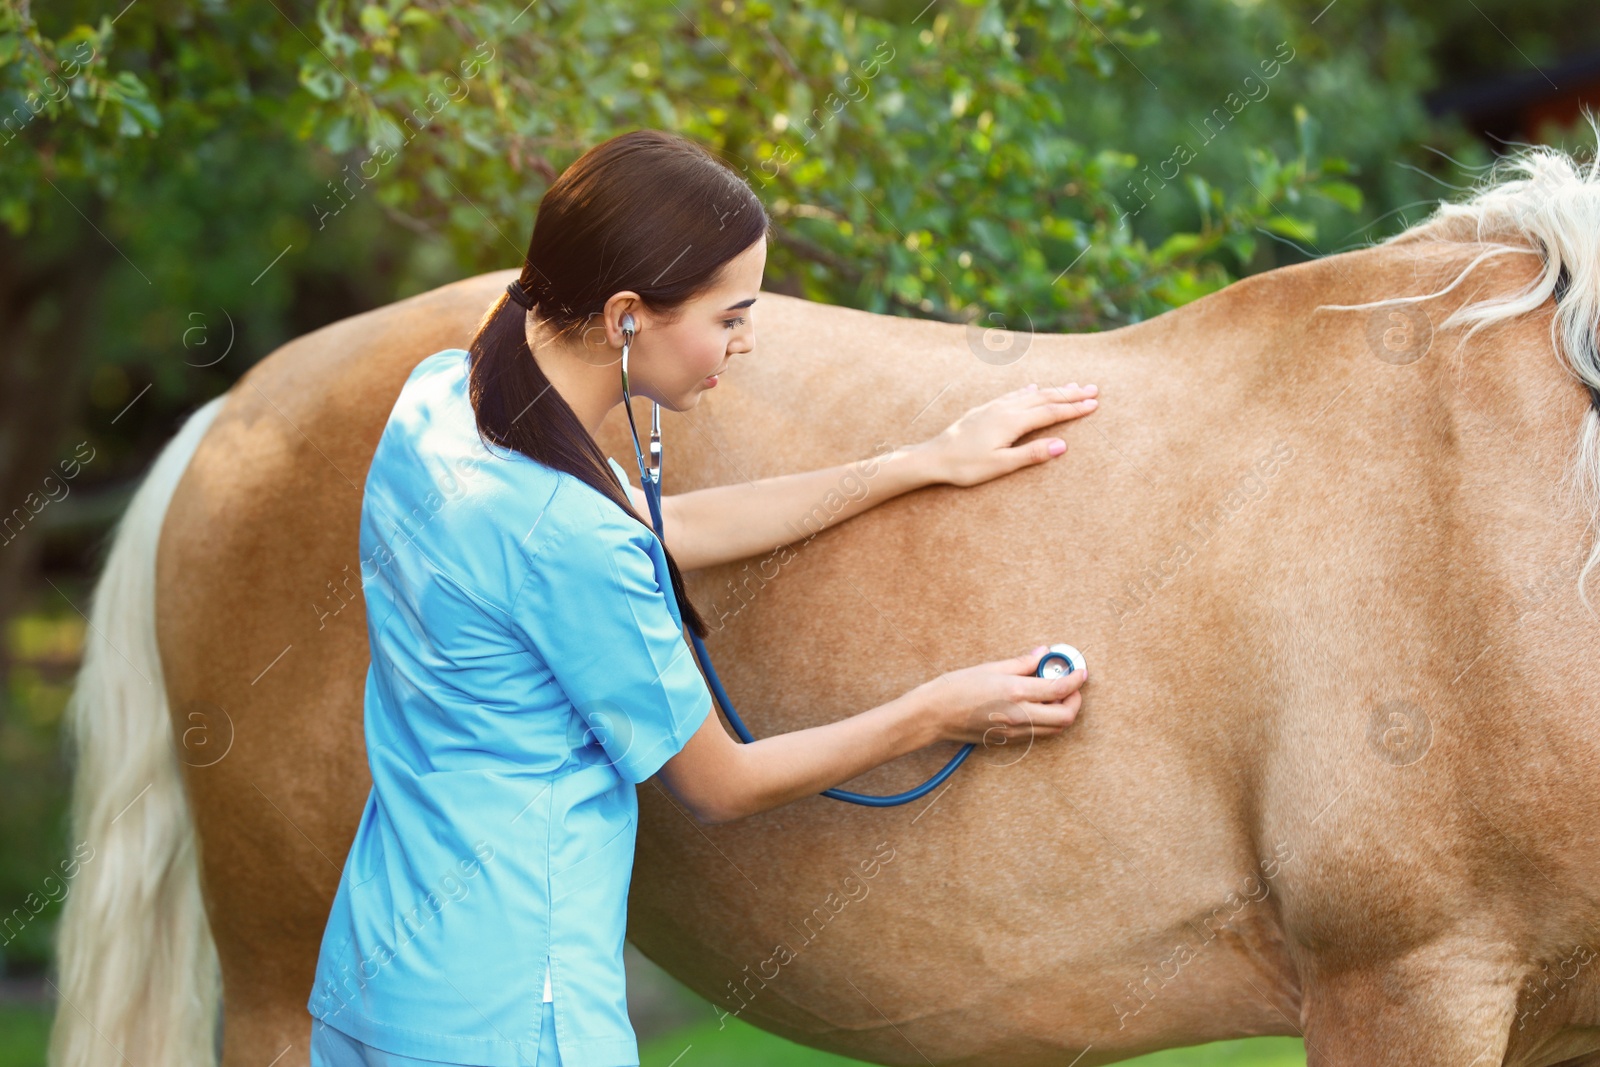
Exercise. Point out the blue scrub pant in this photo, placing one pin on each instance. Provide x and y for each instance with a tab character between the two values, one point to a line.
332	1047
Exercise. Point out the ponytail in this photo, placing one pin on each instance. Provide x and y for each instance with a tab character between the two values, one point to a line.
647	211
517	408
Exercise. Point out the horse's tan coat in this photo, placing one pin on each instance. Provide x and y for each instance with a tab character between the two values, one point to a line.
1219	847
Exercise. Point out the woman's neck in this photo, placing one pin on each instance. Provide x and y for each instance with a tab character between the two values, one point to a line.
588	377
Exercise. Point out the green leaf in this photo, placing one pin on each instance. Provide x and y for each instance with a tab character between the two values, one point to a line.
1305	128
374	20
992	238
1344	194
1296	229
1242	245
135	99
321	80
341	135
1179	244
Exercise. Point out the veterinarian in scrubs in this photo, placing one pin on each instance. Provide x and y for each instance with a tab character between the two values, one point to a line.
529	667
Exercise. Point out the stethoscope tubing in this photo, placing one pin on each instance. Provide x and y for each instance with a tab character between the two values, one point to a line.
650	477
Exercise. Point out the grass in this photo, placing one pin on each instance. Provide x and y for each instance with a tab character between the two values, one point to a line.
739	1044
24	1029
24	1034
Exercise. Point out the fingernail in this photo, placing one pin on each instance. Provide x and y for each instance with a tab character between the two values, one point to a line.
1032	386
1091	402
1040	649
1057	447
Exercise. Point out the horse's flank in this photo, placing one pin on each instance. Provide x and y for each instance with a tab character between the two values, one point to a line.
1332	774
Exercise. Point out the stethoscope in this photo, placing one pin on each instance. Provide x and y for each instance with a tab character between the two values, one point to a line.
1058	660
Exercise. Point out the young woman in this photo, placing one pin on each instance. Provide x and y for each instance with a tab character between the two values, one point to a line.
528	667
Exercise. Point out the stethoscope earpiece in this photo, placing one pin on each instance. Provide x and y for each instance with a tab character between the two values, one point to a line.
649	475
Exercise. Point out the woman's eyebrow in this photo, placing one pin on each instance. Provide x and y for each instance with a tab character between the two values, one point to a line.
741	304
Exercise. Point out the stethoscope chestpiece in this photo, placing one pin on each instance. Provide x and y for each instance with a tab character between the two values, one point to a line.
1061	659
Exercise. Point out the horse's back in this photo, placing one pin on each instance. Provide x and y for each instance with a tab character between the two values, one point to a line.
1280	542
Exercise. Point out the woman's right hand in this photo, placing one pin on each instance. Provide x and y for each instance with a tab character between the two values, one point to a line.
719	779
1002	701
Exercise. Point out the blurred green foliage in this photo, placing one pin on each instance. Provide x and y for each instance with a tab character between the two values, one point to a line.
931	164
44	645
931	160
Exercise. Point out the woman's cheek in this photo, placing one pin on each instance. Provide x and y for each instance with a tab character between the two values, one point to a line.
711	359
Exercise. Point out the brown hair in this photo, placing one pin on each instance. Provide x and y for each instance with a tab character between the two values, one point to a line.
646	210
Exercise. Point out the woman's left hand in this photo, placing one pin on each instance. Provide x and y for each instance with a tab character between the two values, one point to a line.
978	446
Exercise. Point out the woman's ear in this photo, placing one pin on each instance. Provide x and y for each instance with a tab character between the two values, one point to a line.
622	308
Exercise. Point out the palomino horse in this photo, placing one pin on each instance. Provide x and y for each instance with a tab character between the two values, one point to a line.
1337	774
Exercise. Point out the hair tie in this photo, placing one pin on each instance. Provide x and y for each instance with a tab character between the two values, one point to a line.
519	295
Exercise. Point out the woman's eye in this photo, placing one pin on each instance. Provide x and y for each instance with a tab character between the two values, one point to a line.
733	323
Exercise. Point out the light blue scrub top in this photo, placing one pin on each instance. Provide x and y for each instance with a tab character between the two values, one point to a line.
528	667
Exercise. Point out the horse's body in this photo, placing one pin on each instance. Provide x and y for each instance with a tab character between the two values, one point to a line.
1337	771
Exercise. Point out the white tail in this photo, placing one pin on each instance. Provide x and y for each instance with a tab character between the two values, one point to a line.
137	974
1537	201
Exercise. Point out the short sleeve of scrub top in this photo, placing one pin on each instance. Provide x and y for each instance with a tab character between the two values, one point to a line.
528	668
621	657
